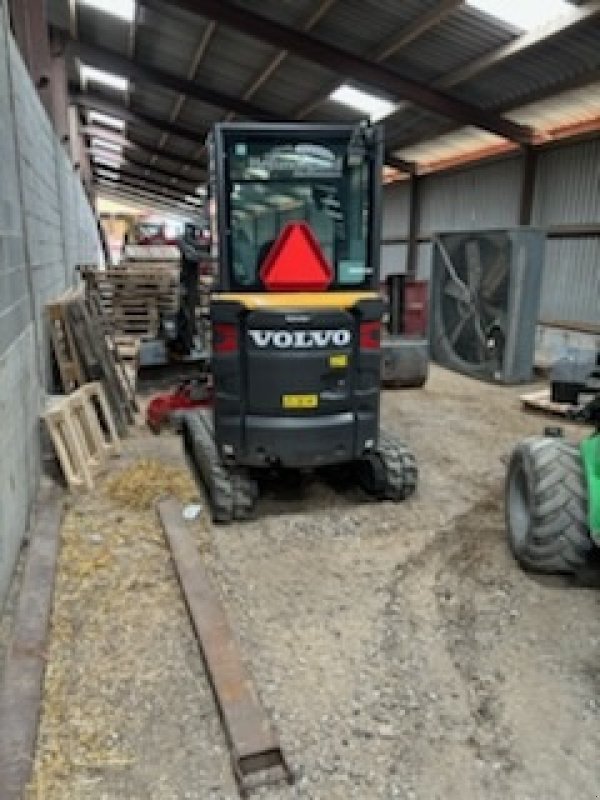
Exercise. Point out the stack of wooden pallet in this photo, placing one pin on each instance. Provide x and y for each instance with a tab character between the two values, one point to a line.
133	297
84	353
99	400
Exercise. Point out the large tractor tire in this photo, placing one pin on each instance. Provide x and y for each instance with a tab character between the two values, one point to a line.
546	506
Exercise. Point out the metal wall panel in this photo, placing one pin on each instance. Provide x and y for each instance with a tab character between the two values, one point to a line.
568	192
568	185
485	196
571	283
46	227
396	206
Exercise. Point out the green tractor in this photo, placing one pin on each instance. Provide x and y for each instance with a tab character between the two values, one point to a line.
553	498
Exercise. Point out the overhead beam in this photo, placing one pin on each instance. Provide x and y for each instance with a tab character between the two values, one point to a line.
108	60
197	59
189	183
413	30
132	174
140	182
389	47
346	63
322	8
562	24
100	103
391	160
129	142
395	143
104	185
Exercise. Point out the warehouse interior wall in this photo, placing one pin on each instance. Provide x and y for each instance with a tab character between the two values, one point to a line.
47	227
487	195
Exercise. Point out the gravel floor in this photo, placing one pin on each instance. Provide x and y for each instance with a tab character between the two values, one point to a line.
400	651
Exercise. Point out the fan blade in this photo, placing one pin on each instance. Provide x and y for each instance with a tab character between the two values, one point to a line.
449	265
494	275
455	335
452	289
474	268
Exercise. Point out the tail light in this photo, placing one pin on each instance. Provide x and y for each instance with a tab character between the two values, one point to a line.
370	335
225	338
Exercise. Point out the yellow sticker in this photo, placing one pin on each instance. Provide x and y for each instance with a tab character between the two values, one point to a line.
300	400
338	361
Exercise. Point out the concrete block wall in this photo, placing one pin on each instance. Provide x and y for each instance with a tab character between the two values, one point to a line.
46	228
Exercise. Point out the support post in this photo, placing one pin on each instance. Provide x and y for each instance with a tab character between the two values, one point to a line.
414	224
30	28
530	157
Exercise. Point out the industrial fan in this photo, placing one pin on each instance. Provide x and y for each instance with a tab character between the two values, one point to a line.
485	289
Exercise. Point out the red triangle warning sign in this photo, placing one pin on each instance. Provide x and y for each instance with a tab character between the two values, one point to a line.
296	262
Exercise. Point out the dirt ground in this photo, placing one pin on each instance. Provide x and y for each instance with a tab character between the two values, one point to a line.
398	648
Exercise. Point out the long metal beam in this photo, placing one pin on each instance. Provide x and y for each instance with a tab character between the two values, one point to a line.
104	185
129	142
346	63
389	47
197	58
150	194
143	181
106	59
190	183
100	103
574	17
322	8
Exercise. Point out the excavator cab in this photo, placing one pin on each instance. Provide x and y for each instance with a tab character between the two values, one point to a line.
296	312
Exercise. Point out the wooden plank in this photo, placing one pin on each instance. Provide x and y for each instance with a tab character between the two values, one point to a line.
540	401
25	664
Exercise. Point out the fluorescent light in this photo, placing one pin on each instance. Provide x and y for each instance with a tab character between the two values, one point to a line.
374	106
190	198
106	158
106	119
106	173
524	14
201	190
123	9
106	144
95	75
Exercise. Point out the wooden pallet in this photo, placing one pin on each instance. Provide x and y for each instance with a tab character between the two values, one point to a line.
88	358
83	433
63	345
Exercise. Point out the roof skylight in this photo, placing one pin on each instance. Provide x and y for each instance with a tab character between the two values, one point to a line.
373	106
106	119
95	75
123	9
523	14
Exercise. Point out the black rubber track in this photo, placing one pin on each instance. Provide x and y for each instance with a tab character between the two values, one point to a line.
390	473
546	506
209	472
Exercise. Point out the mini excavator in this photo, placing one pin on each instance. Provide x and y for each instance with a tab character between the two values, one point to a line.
295	314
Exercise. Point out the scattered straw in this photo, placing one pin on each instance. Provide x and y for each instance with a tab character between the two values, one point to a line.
139	487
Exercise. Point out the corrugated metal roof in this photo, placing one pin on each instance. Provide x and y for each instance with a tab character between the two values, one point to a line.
168	38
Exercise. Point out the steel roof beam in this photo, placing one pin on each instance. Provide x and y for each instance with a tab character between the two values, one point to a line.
197	58
322	8
99	102
106	59
357	68
390	46
129	142
556	27
104	185
138	182
190	183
